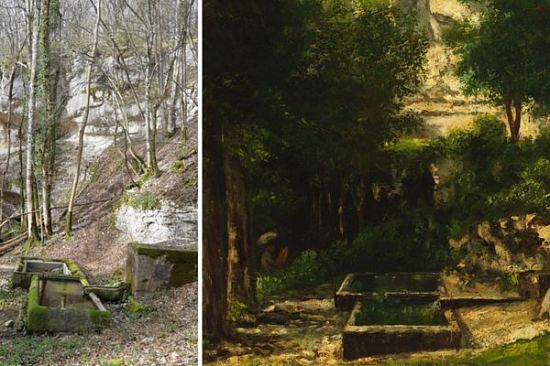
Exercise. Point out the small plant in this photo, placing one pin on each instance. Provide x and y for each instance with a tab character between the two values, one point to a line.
178	165
144	201
138	308
236	311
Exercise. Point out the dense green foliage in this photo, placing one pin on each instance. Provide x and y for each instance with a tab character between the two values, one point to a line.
487	178
414	242
505	55
491	178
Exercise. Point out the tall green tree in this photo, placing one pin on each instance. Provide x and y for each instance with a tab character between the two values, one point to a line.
505	56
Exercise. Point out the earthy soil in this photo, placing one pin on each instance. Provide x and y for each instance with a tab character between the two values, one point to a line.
306	330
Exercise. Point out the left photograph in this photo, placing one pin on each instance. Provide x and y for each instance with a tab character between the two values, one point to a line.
98	182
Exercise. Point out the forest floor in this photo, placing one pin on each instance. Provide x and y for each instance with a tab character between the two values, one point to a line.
165	335
307	330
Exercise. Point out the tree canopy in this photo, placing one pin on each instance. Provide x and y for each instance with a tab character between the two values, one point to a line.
505	55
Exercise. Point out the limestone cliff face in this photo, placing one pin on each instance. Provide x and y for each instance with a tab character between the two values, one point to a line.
435	15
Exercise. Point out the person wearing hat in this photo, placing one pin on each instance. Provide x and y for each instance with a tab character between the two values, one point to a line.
273	255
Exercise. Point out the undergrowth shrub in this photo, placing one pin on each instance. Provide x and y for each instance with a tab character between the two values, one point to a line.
411	243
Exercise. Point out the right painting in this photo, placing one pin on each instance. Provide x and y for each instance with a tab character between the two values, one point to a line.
376	182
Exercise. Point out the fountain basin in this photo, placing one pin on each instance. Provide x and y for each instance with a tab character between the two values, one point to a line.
28	267
387	326
59	304
400	285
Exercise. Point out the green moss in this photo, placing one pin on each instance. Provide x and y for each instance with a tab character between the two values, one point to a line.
136	307
176	255
76	271
37	315
29	244
144	201
100	319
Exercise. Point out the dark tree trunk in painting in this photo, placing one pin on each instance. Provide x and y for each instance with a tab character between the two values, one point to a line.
513	115
213	238
241	251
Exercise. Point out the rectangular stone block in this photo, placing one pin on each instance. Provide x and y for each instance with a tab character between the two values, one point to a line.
151	267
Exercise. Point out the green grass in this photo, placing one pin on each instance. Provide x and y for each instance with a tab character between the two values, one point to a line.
396	313
31	350
535	352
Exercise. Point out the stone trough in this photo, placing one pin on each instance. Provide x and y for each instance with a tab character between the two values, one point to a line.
387	326
60	298
57	303
402	285
28	267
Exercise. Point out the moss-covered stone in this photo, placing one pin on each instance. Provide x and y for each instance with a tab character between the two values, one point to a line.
76	271
37	315
151	267
22	275
76	318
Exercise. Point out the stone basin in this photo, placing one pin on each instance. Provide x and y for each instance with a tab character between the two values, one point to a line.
386	326
400	285
59	304
27	267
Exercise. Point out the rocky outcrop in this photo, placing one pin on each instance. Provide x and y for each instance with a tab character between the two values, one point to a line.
166	223
511	245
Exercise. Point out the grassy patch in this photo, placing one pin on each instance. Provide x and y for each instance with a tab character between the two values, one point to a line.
31	350
388	312
535	352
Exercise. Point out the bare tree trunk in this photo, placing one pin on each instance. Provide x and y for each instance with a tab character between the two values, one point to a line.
150	120
7	166
69	217
241	256
32	9
49	82
214	239
180	58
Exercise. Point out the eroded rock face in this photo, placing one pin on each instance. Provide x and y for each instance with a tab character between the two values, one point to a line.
515	244
153	226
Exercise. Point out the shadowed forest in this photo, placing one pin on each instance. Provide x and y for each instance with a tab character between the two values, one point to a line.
404	142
